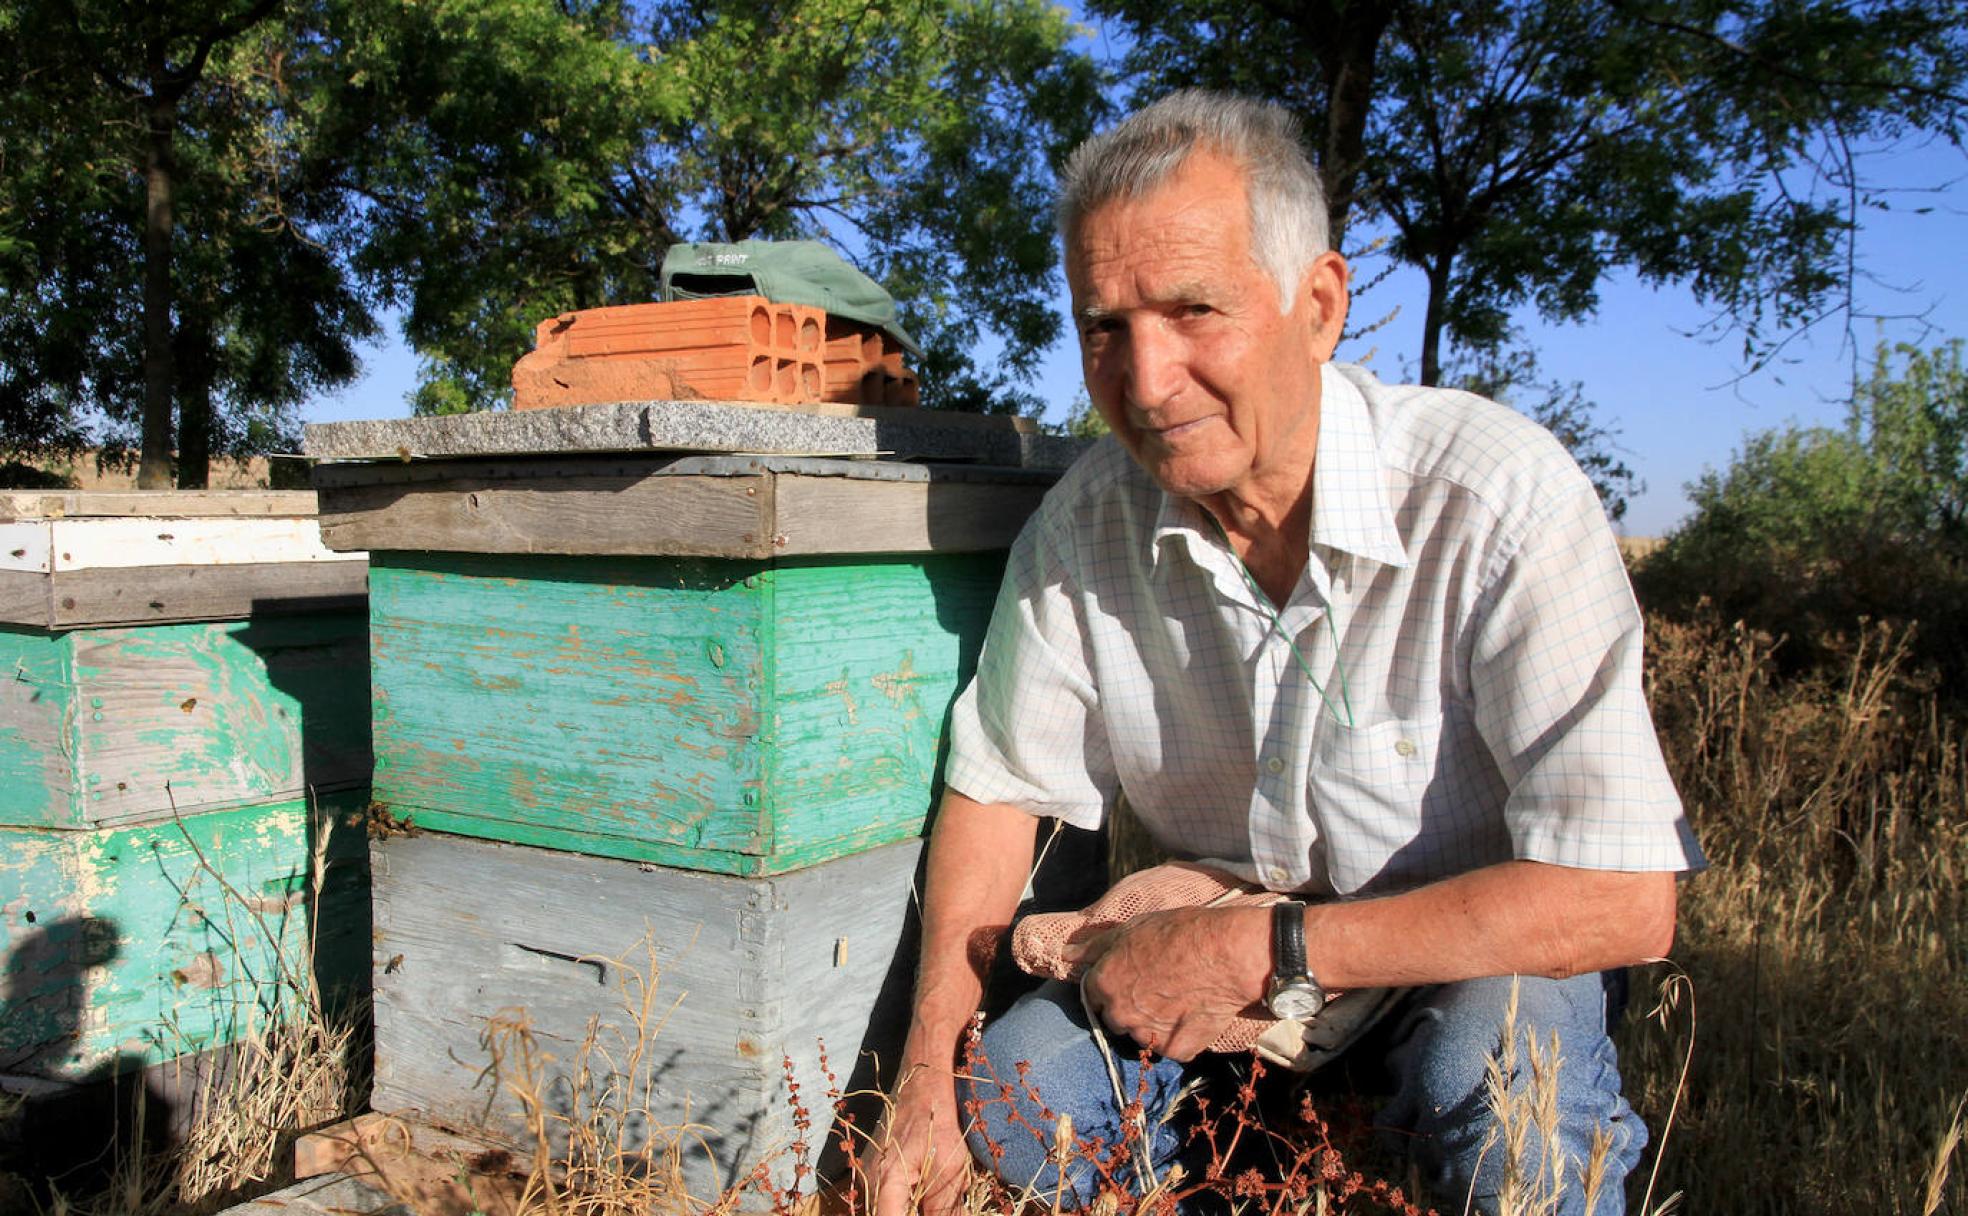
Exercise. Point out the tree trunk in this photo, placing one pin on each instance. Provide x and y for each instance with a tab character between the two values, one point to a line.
1347	33
194	391
1432	321
160	371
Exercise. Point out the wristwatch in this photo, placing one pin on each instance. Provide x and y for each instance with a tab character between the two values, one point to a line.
1293	992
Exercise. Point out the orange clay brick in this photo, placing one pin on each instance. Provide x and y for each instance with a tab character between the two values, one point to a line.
864	366
731	348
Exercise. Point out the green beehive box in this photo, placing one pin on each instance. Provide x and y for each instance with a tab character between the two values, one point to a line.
740	717
184	737
121	948
172	654
735	665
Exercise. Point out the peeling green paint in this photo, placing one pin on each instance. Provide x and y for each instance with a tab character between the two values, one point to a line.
116	726
732	716
120	948
37	705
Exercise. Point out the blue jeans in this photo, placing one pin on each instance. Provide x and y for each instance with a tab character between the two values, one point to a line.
1436	1053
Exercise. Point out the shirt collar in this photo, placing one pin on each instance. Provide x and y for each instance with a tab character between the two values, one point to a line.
1350	509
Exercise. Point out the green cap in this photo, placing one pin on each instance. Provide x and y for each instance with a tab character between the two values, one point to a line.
787	272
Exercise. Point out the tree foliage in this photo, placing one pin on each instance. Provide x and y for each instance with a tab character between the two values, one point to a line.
155	250
1521	150
1811	528
205	202
917	135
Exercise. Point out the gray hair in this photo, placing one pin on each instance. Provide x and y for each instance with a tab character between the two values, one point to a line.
1288	220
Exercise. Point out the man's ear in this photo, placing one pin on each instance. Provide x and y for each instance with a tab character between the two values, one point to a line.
1322	302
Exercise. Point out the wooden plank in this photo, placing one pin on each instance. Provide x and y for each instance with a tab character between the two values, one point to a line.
611	515
26	546
609	705
25	599
36	707
866	508
867	658
747	972
168	594
181	718
840	515
55	545
169	504
122	948
429	1171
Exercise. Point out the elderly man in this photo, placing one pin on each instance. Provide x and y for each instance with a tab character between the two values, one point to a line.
1371	646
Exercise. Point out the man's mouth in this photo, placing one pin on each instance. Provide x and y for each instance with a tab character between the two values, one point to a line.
1178	431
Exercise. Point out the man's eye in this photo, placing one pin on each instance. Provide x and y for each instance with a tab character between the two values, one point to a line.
1196	310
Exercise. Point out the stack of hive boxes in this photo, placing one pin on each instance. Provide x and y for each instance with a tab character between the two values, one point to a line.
728	348
183	731
646	709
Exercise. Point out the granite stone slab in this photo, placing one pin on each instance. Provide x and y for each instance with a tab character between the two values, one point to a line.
327	1195
690	426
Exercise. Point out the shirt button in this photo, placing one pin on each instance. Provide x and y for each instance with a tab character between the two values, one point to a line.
1278	874
1275	765
1405	747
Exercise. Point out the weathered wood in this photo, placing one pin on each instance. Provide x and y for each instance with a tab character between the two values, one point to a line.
128	947
565	514
220	713
126	725
75	599
62	572
26	598
747	973
604	705
866	655
163	504
341	1195
740	717
68	543
406	1168
651	506
837	515
36	715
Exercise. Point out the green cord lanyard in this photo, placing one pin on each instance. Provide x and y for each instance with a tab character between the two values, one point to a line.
1264	602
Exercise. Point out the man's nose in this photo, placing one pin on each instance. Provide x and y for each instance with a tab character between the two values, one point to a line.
1156	364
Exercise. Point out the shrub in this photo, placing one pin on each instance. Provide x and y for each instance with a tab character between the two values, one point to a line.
1811	529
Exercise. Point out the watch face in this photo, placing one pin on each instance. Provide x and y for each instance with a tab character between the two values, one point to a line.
1297	1000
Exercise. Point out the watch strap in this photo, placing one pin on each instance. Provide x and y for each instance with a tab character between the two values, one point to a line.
1288	940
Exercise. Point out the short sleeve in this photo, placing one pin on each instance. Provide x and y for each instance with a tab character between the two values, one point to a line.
1555	674
1027	731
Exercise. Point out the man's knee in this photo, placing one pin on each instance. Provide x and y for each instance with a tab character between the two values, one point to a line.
1039	1063
1561	1077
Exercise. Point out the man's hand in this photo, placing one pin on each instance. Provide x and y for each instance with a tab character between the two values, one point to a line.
1172	980
922	1156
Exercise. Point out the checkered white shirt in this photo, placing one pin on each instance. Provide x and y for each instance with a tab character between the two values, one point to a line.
1488	645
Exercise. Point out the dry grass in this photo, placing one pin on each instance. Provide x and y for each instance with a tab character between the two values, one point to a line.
1829	939
600	1149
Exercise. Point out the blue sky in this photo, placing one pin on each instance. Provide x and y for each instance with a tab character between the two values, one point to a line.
1680	403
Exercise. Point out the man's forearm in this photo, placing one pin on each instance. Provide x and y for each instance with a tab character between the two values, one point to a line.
1171	979
979	859
1520	917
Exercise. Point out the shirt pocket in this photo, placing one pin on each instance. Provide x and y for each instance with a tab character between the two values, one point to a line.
1368	786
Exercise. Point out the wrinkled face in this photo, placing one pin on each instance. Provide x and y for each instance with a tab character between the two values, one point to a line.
1209	385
